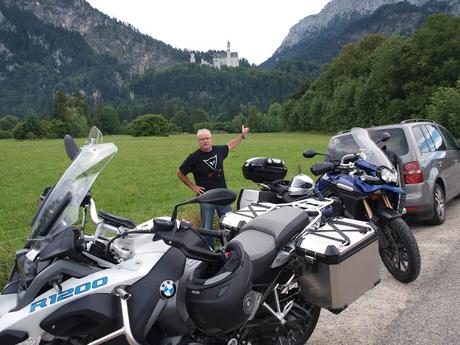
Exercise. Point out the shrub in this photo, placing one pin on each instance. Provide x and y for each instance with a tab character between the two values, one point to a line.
6	134
33	127
8	122
77	125
148	125
57	128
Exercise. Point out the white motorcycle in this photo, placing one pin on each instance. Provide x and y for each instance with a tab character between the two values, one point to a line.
159	282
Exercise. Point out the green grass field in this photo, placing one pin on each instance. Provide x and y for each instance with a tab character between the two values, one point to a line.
139	182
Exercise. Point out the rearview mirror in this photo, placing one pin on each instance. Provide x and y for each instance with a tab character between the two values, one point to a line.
71	147
309	154
384	138
218	196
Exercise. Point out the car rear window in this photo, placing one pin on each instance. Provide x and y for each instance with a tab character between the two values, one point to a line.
397	142
345	144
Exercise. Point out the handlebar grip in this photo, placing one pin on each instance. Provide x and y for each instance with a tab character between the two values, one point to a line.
351	159
206	232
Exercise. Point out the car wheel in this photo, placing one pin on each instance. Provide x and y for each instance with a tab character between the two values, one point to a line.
439	205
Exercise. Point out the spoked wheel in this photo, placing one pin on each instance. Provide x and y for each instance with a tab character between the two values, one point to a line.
300	323
399	251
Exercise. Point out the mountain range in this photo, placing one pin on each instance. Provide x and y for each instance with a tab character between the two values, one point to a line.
103	34
318	38
51	45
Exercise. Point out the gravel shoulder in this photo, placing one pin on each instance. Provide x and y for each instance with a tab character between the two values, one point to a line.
426	311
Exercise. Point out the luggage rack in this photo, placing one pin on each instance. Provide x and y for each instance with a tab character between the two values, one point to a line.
309	205
344	240
313	207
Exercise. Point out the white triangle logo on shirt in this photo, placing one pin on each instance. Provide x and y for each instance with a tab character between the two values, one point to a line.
211	162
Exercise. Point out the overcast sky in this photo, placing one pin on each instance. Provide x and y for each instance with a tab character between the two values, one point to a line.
255	28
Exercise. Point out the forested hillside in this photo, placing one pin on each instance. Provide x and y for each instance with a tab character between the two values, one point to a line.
37	59
378	81
54	83
104	35
222	93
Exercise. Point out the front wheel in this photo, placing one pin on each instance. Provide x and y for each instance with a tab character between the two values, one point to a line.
399	250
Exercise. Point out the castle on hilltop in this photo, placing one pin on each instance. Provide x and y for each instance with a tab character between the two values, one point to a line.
227	58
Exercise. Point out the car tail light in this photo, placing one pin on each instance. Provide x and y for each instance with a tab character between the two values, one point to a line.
412	173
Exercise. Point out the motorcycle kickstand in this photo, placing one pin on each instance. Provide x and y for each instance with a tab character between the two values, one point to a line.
126	328
280	315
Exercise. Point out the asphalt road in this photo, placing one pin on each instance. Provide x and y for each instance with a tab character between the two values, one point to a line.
425	312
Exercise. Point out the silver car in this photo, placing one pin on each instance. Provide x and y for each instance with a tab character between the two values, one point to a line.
430	162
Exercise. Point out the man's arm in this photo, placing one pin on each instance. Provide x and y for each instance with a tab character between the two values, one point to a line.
185	180
235	141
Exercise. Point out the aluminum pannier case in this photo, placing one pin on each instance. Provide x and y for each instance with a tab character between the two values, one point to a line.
341	263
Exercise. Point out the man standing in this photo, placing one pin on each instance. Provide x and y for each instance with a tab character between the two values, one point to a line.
207	166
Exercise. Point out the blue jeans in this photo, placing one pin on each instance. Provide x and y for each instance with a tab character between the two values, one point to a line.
207	217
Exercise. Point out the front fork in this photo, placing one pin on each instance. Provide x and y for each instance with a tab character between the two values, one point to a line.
367	207
384	233
382	238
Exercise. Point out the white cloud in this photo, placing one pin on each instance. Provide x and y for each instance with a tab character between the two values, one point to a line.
255	28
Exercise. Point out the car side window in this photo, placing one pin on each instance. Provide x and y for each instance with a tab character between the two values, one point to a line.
428	138
436	137
449	139
420	139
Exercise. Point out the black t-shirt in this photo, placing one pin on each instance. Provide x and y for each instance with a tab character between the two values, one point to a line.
207	167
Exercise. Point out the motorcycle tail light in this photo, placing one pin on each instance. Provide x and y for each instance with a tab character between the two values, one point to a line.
413	173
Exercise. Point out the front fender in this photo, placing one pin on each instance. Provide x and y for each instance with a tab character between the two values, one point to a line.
386	214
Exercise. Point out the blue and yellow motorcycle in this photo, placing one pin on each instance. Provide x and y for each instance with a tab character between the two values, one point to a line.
365	186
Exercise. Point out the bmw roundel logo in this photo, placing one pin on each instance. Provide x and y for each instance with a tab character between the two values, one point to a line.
167	289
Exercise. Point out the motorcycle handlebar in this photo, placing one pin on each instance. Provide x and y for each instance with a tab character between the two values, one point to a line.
212	233
350	158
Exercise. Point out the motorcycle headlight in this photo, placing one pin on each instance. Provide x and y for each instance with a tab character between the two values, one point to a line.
388	175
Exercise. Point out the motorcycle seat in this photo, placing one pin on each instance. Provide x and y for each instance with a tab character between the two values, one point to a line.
265	235
116	220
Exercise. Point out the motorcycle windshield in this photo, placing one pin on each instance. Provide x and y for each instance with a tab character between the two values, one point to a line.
60	209
373	154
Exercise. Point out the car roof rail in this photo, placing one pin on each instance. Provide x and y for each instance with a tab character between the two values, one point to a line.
417	120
